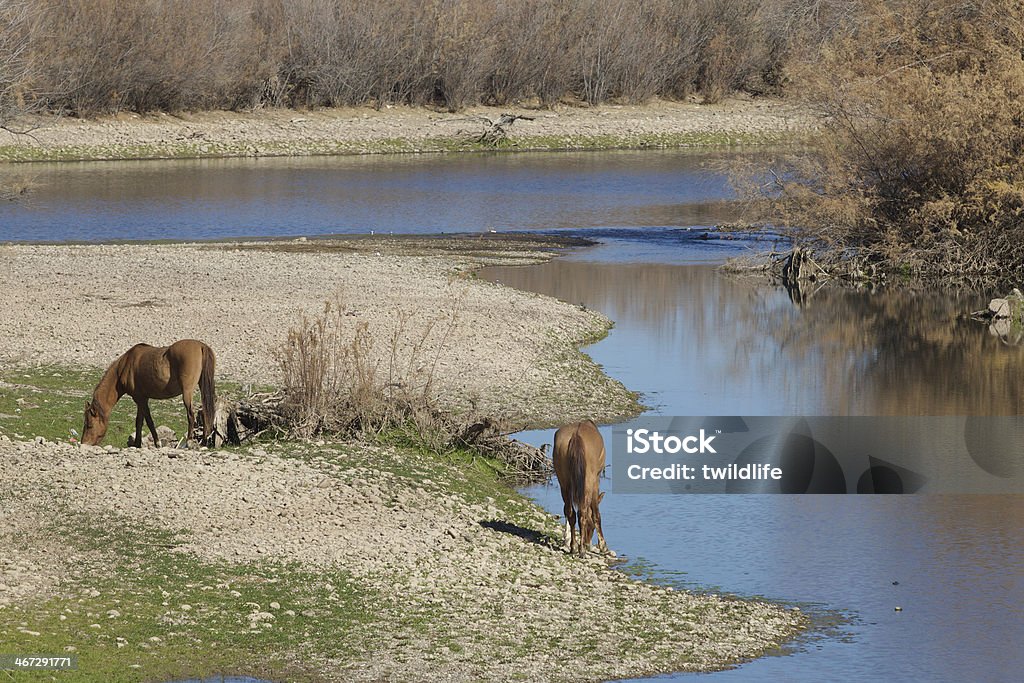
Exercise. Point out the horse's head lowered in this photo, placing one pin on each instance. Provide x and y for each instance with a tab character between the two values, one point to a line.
95	427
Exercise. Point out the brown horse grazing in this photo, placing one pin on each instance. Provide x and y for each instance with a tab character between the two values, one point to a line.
579	461
146	372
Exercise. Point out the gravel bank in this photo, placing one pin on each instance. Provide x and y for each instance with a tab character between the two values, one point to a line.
511	354
481	573
399	129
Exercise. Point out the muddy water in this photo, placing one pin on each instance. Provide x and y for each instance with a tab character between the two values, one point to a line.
698	343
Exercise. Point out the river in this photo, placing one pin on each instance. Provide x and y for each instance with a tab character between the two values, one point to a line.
694	342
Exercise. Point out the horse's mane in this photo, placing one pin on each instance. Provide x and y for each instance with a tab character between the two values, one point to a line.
109	376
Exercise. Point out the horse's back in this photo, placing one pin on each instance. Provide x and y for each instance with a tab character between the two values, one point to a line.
187	348
593	442
164	371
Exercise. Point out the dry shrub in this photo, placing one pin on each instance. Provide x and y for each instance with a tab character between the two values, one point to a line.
348	385
16	21
102	56
919	167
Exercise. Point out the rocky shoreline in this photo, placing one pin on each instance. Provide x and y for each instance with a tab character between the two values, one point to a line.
326	561
493	592
282	132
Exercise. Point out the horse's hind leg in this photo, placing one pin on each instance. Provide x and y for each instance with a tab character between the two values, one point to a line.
569	530
602	546
186	398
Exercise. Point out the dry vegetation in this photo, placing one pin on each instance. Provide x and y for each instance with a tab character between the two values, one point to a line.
353	386
919	169
102	56
357	387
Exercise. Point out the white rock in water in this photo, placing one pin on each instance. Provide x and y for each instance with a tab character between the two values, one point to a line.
1000	308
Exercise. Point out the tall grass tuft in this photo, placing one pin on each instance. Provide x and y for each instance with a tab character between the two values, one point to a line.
349	383
345	384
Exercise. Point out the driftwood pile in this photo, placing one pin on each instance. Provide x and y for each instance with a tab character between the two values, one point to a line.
487	438
242	421
496	131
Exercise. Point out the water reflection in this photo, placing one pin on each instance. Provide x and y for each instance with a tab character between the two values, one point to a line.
220	198
707	344
698	343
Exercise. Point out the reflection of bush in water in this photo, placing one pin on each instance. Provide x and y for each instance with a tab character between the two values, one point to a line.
904	352
883	353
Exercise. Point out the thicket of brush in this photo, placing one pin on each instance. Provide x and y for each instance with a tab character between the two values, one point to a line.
102	56
919	170
356	384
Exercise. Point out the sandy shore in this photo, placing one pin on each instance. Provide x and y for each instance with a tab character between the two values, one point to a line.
400	129
512	355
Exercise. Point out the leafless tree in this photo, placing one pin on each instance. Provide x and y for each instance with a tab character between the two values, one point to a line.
16	100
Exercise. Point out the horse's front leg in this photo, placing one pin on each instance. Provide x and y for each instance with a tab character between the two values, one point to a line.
150	424
138	425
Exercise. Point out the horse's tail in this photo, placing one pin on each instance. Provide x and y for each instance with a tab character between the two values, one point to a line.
578	467
207	391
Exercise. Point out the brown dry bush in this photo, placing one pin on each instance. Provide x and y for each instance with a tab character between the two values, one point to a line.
919	167
107	55
347	384
16	22
102	56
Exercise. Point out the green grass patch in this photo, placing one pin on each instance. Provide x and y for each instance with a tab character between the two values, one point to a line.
49	401
135	609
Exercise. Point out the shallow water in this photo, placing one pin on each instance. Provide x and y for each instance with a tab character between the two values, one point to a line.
210	199
698	343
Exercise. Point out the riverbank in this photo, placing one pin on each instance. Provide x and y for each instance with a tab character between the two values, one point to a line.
364	130
328	562
316	561
505	353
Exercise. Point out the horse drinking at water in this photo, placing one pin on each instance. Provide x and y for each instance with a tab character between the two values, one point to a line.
579	461
146	372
